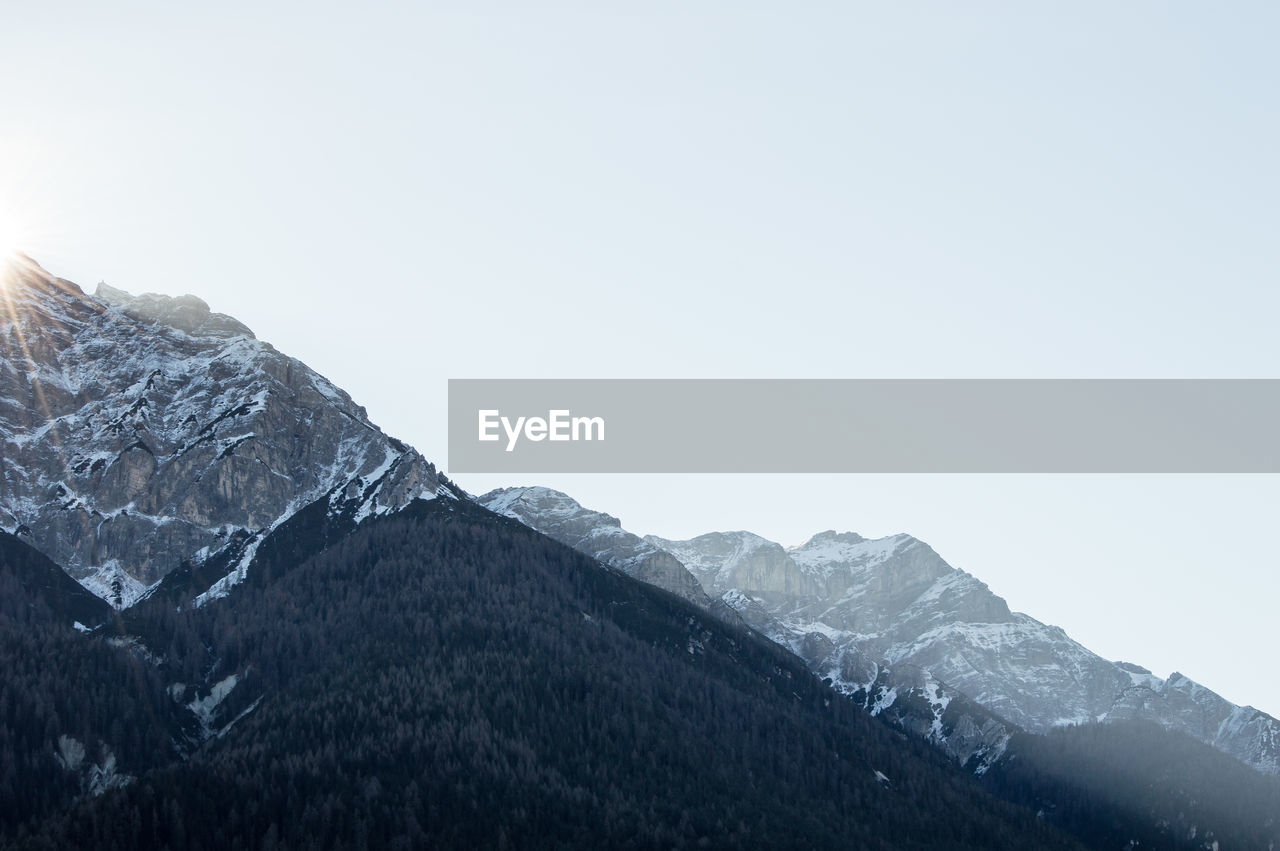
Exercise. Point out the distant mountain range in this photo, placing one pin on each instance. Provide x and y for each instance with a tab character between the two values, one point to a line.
892	624
288	629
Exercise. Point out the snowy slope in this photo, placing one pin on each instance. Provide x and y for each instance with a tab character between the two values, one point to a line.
909	696
902	606
890	623
138	432
599	535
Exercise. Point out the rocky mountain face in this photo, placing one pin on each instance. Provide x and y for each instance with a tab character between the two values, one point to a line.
1179	703
139	433
889	622
165	458
711	578
898	602
561	518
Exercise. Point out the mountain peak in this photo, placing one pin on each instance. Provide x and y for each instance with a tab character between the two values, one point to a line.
17	262
1132	668
831	536
737	538
23	278
601	535
186	313
142	431
519	502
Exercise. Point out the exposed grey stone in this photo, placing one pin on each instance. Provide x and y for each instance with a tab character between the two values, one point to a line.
598	535
903	608
894	626
136	432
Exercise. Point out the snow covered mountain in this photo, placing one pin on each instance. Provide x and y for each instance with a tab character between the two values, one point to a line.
889	622
899	603
162	454
141	432
559	517
909	696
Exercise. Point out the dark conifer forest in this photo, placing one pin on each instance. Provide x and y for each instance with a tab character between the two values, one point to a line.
444	677
1134	782
447	678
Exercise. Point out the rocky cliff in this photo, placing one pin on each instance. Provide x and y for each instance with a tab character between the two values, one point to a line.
139	432
600	535
900	606
890	623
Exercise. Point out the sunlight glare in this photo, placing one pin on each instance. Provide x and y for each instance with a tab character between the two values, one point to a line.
12	237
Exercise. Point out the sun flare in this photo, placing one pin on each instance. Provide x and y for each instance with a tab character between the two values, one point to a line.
12	235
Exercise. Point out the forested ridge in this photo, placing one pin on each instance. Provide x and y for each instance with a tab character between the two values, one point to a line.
59	683
1133	781
446	677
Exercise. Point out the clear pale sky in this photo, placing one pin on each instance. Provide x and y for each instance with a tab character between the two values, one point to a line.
400	194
